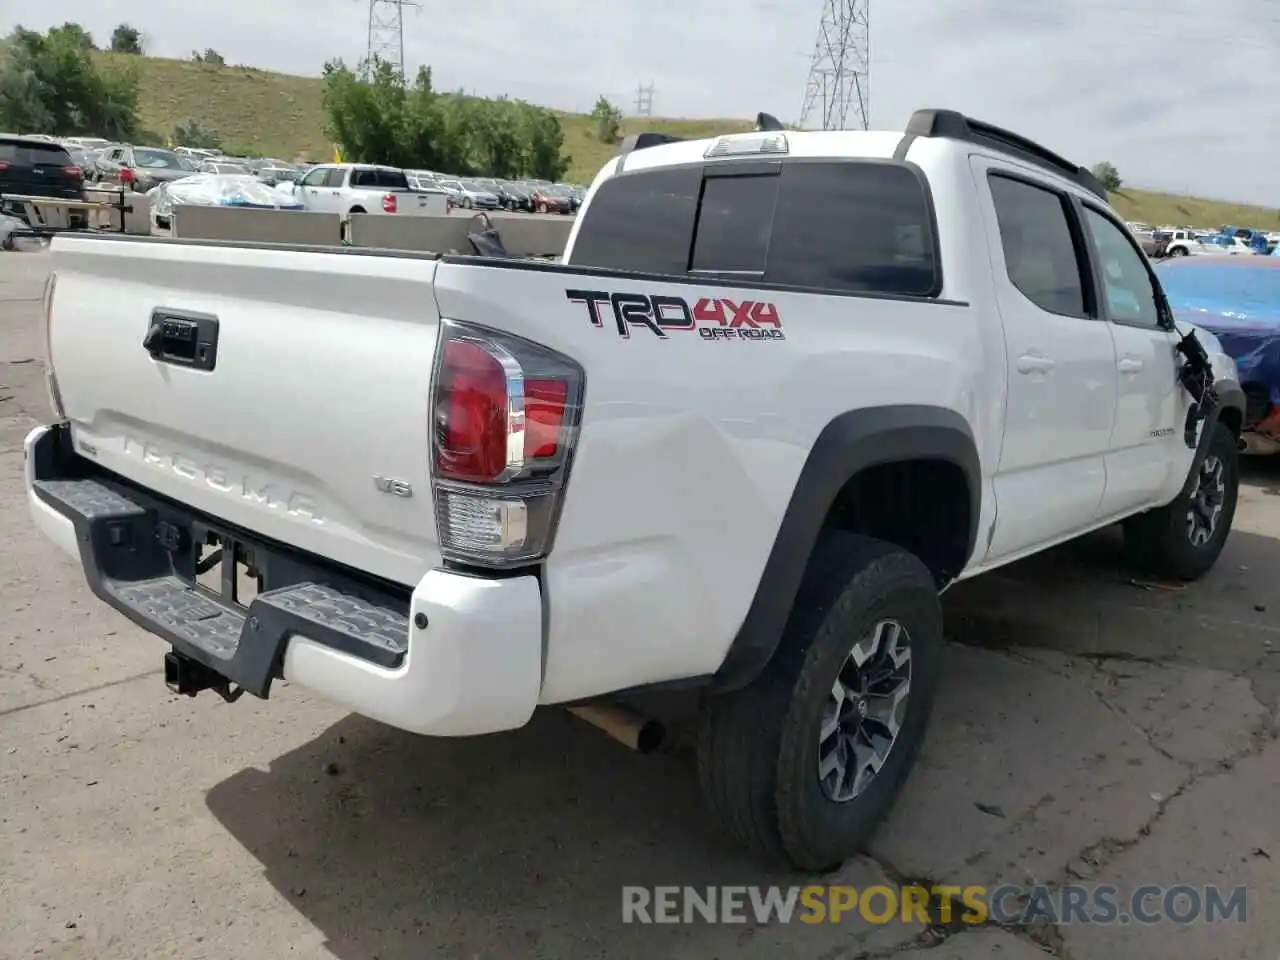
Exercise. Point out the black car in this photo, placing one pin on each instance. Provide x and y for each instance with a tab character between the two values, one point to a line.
38	168
515	196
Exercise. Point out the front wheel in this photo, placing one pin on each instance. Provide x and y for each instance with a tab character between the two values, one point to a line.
1178	252
1184	539
802	763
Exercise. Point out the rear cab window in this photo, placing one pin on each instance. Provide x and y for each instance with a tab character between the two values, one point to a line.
33	153
379	178
854	226
1042	256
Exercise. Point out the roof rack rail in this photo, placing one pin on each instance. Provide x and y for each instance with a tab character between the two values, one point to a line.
956	126
642	141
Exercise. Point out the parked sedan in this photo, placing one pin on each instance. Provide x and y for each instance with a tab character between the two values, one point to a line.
141	168
548	199
479	196
516	196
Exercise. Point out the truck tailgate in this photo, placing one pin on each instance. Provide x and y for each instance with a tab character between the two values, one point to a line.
312	426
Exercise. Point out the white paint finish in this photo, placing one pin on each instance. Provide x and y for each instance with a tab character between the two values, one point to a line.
321	383
690	451
1061	404
475	669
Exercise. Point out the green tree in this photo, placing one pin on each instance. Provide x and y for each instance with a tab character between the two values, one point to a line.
76	34
376	117
190	133
1108	174
126	39
49	83
608	120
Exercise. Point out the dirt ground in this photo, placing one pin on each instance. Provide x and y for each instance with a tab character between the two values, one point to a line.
1090	729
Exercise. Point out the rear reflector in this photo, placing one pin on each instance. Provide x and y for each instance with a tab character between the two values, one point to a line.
505	415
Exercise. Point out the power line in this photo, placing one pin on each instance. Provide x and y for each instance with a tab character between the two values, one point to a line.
386	32
840	69
644	100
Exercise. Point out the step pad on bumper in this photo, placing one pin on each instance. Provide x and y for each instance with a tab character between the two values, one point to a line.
170	602
90	499
328	608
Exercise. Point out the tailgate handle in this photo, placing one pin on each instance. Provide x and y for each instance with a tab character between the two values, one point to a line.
182	338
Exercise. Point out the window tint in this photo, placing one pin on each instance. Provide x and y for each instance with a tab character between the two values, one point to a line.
387	179
34	154
1039	254
313	178
734	225
1126	283
847	225
334	177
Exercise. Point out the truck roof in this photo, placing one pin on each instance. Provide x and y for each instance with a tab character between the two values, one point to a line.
660	149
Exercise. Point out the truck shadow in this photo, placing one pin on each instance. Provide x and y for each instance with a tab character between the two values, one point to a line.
402	847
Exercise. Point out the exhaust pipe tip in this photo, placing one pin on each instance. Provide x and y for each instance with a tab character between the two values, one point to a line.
631	729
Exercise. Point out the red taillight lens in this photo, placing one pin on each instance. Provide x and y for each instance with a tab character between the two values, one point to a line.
544	410
76	173
4	165
505	415
389	203
471	414
126	175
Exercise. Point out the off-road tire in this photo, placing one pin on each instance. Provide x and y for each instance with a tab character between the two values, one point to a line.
758	746
1158	541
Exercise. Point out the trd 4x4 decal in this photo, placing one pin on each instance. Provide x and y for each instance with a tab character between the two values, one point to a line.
662	315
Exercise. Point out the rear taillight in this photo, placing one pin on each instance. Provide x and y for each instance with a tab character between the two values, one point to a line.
127	175
74	172
389	203
505	420
4	165
50	378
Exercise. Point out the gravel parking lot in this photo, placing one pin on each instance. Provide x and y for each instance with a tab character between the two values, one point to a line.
1091	728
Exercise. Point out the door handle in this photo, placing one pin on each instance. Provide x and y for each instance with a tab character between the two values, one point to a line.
1129	365
1030	363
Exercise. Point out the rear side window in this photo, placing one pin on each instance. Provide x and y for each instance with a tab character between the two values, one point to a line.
34	154
383	179
848	226
1039	252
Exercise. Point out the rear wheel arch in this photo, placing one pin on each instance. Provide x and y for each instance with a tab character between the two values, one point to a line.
867	453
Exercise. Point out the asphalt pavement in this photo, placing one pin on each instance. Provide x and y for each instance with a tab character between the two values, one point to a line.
1092	729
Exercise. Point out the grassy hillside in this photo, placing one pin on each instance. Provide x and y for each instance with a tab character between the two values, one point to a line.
279	115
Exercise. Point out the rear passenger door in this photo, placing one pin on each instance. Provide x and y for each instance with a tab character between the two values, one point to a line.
1145	441
1060	363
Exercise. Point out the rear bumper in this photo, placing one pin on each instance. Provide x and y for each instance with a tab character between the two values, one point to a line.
458	655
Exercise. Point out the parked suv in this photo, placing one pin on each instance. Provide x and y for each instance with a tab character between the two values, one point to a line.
38	168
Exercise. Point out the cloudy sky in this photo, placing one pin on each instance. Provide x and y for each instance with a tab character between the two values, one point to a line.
1181	95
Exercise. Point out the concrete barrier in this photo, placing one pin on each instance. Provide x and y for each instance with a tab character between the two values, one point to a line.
256	226
522	234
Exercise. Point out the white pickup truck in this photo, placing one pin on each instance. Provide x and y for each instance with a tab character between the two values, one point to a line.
347	188
783	389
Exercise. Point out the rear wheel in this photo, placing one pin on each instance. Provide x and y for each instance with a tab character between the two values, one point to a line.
1178	252
1184	539
804	762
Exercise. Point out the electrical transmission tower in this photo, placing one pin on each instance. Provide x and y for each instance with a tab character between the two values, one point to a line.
840	70
386	32
644	100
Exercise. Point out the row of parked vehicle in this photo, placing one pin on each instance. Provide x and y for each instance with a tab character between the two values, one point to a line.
143	167
1159	242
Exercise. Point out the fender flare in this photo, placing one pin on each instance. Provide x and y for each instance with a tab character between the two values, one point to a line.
1231	397
849	444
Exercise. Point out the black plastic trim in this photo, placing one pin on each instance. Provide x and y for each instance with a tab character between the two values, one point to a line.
956	126
122	550
849	444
